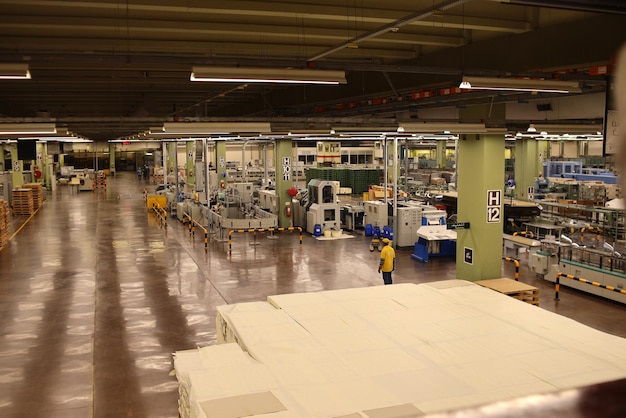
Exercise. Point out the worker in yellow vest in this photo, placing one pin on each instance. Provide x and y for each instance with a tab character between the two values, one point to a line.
387	261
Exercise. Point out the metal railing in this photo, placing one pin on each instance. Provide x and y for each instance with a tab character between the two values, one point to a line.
161	214
191	224
516	262
557	284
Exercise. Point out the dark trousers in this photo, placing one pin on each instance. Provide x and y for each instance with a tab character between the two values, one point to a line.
387	277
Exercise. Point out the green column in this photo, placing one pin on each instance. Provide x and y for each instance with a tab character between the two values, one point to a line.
220	160
391	173
112	159
17	167
283	162
441	154
527	166
480	186
190	158
480	182
171	160
40	163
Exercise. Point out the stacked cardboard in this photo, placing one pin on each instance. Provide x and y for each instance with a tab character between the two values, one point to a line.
400	350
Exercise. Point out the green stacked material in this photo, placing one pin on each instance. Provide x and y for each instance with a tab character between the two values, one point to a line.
358	179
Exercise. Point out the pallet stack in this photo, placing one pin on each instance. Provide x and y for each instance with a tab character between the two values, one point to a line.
5	222
101	181
23	202
37	189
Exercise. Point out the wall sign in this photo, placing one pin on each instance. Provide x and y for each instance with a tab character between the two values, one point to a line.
286	168
468	255
494	200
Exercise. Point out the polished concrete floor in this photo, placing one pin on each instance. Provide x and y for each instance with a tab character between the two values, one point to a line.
95	297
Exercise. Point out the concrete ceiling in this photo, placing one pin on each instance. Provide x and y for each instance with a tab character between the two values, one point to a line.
109	69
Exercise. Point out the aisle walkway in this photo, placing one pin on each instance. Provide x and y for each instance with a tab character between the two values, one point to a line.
94	298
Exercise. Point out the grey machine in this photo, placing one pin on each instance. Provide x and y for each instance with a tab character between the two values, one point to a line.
324	208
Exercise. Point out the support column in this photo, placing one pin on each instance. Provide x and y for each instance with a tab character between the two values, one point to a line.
527	166
220	160
441	154
283	162
480	186
40	163
112	159
17	168
190	158
171	160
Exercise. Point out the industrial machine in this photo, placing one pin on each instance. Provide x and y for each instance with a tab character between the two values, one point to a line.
411	217
323	208
376	213
86	180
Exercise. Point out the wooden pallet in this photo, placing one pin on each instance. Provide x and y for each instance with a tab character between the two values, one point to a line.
23	202
37	189
515	289
5	222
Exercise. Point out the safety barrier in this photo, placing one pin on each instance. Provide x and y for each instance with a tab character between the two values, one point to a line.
188	221
529	233
257	230
591	229
161	214
516	262
578	279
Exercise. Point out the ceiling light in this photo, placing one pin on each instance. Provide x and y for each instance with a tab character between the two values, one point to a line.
17	71
447	127
27	128
531	128
212	128
267	75
465	85
521	84
569	128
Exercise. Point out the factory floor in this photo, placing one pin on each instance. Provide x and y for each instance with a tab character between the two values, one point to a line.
95	297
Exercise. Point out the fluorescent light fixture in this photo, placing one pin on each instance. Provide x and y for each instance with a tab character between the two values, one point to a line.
589	129
267	75
212	128
447	127
14	71
27	129
520	84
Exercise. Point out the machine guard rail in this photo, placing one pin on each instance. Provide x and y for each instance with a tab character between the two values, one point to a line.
257	230
189	221
516	262
529	233
161	214
557	284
